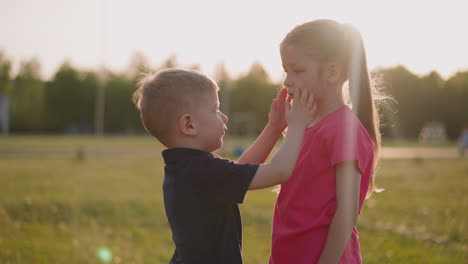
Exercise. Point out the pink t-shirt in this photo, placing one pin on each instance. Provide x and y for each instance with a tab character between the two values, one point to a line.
307	201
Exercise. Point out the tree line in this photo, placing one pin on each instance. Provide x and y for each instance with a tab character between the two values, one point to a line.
67	102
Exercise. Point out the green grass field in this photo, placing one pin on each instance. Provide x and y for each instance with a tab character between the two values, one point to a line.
60	209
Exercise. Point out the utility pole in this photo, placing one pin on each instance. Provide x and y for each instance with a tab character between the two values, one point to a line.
100	89
99	113
4	114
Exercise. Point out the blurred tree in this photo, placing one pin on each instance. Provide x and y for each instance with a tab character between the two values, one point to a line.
251	97
170	62
67	102
71	100
257	71
454	102
195	67
432	85
5	71
121	115
221	72
222	78
419	100
27	98
407	112
138	65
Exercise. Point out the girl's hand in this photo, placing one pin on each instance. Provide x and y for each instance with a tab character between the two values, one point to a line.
276	117
300	111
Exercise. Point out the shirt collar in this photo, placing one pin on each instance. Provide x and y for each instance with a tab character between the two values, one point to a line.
176	154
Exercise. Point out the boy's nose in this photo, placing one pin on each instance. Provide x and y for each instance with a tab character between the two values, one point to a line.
225	118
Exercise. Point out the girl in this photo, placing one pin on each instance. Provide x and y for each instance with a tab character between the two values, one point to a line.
317	209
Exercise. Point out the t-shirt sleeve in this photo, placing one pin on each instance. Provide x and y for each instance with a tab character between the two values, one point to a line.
227	181
348	140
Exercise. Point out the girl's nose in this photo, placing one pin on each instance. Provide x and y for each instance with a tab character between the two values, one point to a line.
287	82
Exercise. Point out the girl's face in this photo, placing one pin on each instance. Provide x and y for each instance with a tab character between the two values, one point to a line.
302	72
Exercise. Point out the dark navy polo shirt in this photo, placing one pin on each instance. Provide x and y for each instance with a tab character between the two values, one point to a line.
201	196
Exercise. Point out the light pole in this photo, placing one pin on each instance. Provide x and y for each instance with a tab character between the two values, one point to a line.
4	113
100	89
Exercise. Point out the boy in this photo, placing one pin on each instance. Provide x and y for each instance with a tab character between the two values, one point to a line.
180	108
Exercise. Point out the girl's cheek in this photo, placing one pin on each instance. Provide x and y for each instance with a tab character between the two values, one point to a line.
311	89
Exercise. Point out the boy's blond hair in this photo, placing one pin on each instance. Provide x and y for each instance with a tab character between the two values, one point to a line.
162	97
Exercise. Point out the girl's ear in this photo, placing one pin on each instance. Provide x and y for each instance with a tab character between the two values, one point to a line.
187	125
334	73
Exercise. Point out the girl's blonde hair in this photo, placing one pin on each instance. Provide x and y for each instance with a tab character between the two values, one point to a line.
327	40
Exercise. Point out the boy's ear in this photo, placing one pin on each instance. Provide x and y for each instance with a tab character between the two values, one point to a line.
187	125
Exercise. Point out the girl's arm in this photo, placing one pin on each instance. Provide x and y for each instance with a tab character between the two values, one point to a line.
348	179
279	168
261	148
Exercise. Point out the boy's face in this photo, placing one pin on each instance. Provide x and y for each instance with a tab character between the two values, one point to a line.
211	122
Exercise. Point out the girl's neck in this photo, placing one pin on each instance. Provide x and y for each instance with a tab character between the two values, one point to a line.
326	107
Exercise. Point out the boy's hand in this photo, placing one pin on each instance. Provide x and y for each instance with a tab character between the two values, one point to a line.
300	111
276	117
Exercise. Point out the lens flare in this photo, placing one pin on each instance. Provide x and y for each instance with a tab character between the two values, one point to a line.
104	255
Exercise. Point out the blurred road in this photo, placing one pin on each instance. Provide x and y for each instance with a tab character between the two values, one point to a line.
419	152
386	152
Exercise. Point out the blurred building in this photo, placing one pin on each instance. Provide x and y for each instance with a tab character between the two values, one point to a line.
433	131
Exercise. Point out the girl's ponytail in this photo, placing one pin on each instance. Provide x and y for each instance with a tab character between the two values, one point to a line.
361	90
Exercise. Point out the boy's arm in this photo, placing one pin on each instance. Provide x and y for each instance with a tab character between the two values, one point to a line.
261	148
282	164
348	178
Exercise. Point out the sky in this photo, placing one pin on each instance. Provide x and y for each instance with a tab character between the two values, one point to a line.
421	35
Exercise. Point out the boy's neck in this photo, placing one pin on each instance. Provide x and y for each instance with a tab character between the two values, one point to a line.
184	144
